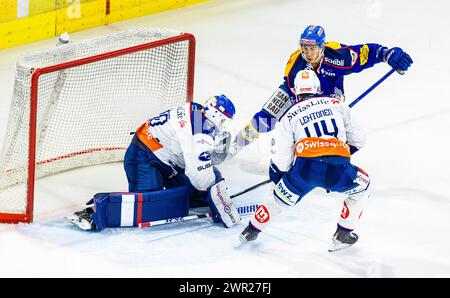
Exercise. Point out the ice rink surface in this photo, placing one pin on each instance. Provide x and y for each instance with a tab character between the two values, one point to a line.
242	48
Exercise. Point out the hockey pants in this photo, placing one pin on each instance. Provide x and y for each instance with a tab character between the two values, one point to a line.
331	173
146	172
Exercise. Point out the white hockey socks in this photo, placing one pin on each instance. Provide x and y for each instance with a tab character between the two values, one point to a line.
264	214
352	210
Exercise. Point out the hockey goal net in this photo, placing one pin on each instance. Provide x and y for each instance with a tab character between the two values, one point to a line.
75	105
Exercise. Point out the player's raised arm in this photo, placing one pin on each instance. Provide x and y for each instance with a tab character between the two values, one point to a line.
363	56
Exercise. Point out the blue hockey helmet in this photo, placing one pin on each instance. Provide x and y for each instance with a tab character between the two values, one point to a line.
313	35
220	110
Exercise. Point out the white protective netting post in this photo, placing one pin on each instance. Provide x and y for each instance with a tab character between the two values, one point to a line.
75	105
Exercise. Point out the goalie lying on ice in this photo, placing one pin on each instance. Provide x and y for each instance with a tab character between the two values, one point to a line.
311	147
169	168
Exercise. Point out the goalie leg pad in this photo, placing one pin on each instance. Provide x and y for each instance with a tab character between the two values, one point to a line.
221	204
129	209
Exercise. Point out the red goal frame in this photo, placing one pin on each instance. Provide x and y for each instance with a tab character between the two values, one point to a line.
28	216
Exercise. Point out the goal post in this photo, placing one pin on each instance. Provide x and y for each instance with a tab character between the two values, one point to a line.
75	105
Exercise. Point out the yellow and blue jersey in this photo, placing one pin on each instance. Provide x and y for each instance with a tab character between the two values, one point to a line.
339	60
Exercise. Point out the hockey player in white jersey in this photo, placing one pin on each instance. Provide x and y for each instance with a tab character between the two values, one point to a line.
311	147
168	165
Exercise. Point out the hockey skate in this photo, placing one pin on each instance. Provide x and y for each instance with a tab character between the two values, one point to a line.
82	219
342	239
249	234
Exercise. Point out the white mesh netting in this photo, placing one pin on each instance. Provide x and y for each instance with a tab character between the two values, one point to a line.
85	113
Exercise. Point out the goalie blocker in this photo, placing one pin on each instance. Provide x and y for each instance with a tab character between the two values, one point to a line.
113	210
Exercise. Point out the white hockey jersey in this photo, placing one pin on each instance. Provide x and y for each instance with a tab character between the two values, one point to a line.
183	137
317	126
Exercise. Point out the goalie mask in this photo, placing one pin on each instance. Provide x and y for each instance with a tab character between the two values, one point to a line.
306	84
219	110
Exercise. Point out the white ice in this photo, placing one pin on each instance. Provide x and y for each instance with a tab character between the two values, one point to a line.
242	48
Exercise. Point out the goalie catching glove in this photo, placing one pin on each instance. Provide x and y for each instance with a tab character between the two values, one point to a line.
221	148
220	203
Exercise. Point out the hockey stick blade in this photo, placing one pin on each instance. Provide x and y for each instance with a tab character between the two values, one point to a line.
243	210
174	220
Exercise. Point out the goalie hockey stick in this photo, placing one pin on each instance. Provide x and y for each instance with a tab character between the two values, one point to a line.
243	210
173	220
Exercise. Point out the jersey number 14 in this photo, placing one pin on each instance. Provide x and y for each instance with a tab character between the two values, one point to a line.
321	128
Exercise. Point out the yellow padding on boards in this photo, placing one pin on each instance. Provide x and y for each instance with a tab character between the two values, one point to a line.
127	9
40	6
80	16
8	10
49	18
26	30
67	3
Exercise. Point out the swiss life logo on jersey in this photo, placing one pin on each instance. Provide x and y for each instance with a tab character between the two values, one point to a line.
262	214
182	123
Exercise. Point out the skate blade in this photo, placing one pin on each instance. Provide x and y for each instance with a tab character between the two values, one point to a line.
336	245
242	239
83	225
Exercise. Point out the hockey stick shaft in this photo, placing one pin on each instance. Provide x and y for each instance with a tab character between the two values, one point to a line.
251	188
243	210
173	220
350	105
372	87
209	215
390	72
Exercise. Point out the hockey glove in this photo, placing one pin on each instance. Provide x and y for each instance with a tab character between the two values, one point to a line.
220	203
221	148
353	149
274	173
398	59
